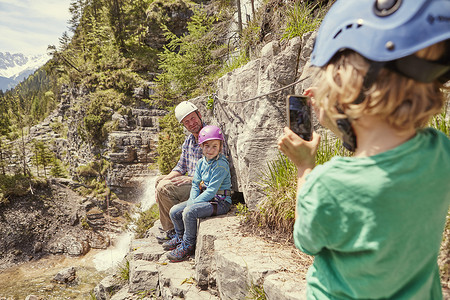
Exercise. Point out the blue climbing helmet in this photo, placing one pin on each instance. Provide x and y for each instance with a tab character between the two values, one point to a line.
387	31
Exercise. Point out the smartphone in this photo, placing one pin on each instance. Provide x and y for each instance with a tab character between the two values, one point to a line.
299	120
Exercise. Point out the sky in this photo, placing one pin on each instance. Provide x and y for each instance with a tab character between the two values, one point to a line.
29	26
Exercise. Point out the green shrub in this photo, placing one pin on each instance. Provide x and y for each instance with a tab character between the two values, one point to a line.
279	179
280	186
242	211
234	63
124	270
96	125
171	138
17	185
88	171
256	292
59	128
58	169
84	223
145	221
186	60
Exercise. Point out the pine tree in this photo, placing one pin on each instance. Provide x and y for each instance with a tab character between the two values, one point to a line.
57	170
42	156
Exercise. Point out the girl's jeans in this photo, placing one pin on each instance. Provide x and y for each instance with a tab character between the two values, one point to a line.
184	217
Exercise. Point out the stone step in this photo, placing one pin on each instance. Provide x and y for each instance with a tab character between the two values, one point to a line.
143	276
176	279
226	265
146	249
95	214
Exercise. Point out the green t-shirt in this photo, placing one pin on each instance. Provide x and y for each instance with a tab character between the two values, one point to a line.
375	224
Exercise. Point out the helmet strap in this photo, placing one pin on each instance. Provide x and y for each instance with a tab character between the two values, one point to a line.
420	69
345	125
198	115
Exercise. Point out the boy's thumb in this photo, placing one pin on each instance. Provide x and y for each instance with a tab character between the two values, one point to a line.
315	139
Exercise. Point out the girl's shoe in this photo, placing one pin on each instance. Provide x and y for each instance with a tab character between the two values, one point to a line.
173	243
181	253
166	236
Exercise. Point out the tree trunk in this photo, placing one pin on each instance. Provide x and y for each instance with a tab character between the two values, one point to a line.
253	8
239	17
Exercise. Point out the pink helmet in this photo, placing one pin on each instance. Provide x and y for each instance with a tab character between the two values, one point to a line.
208	133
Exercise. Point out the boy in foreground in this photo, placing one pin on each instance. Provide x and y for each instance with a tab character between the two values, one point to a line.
374	221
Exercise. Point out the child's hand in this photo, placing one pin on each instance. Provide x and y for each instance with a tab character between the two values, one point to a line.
309	92
302	153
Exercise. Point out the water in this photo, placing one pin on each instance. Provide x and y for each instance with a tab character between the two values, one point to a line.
148	197
112	256
35	277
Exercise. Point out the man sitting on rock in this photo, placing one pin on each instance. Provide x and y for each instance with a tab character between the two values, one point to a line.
175	187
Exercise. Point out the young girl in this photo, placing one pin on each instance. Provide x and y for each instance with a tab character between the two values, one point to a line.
210	194
374	221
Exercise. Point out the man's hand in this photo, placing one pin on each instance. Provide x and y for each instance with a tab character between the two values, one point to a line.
181	180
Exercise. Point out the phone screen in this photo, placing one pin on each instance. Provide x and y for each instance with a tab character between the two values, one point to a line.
299	116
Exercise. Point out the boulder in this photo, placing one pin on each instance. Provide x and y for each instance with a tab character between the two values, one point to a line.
67	275
143	276
74	245
106	287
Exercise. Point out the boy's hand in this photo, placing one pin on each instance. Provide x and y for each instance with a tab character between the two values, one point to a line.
309	92
302	153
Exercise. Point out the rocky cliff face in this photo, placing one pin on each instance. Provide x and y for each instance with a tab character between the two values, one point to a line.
58	217
252	115
130	149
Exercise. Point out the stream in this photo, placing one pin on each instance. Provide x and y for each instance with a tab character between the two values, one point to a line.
34	278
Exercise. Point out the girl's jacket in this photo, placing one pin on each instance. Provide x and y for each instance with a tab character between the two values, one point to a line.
215	175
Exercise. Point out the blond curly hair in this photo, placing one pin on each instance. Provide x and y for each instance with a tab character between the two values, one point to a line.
401	101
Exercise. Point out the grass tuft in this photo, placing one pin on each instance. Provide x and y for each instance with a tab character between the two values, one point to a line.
302	18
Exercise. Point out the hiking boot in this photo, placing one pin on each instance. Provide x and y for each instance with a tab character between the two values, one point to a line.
173	243
182	252
166	236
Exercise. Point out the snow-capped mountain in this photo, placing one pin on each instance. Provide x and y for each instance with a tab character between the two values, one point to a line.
16	67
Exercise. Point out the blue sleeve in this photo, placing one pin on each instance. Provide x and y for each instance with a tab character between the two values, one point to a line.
181	166
218	174
195	189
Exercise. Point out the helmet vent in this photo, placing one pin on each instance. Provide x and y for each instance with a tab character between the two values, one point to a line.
338	33
349	26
